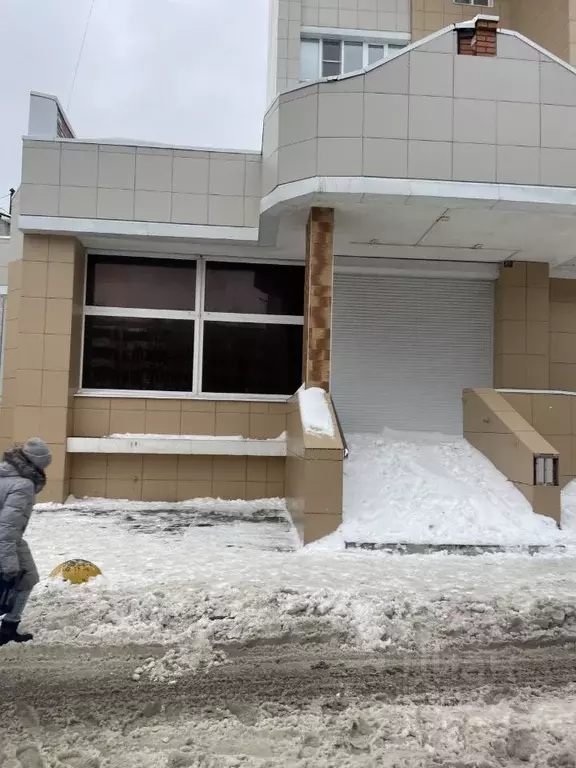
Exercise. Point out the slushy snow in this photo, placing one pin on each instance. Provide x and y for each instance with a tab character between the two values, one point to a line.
220	573
431	489
314	412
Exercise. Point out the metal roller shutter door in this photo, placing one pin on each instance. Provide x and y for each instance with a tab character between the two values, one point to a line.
404	348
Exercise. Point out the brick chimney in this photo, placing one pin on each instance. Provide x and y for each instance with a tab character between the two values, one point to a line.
478	37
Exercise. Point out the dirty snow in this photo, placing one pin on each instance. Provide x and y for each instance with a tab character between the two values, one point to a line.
314	412
147	436
234	572
431	489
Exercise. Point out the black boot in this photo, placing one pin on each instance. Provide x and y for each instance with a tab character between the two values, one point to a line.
9	633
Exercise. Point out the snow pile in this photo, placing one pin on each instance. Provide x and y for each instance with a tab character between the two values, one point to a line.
462	603
315	413
430	489
569	506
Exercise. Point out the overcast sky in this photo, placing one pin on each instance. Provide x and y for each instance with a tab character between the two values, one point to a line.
189	72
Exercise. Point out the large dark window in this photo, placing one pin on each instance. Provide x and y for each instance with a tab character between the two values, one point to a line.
259	289
252	357
138	353
146	331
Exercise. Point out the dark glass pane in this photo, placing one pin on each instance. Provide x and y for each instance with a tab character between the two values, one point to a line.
258	289
330	69
133	353
252	358
141	283
331	50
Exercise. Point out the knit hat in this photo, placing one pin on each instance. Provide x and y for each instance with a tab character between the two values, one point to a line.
37	452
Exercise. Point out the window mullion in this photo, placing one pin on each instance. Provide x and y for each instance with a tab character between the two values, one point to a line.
83	342
199	327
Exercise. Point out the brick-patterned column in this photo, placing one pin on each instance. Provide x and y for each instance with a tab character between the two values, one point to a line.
480	40
318	298
46	369
522	327
485	39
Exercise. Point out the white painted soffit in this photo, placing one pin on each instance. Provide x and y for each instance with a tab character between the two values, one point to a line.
560	199
106	228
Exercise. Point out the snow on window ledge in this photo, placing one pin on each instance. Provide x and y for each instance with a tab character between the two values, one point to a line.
315	412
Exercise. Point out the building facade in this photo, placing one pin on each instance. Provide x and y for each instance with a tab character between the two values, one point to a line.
321	38
406	233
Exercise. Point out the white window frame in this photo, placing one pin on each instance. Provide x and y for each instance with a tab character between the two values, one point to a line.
199	316
488	4
343	37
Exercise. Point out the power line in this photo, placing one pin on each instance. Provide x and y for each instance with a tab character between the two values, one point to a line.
81	51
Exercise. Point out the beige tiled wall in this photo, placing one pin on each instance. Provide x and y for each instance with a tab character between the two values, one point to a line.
535	329
10	363
98	417
109	181
554	417
494	426
522	339
547	23
431	15
44	289
314	479
431	114
176	478
563	334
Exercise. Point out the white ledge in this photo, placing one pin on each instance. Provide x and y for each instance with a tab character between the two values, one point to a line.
493	193
184	445
113	227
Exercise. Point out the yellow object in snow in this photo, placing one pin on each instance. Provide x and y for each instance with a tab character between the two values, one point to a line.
77	571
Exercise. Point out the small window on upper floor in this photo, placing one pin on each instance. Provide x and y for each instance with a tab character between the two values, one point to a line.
330	57
485	3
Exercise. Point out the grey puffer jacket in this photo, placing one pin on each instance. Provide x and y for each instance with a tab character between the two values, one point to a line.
20	481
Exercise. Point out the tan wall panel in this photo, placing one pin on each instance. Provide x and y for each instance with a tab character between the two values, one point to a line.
510	440
98	417
176	478
432	15
522	327
314	479
544	22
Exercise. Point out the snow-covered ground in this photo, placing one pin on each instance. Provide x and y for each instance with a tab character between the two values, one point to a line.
213	640
231	573
431	489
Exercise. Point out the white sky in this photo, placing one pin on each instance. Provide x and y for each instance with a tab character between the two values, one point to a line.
189	72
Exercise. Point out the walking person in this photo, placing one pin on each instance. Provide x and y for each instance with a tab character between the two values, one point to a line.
22	477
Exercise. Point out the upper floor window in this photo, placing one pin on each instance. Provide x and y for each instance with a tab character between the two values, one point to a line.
485	3
329	57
